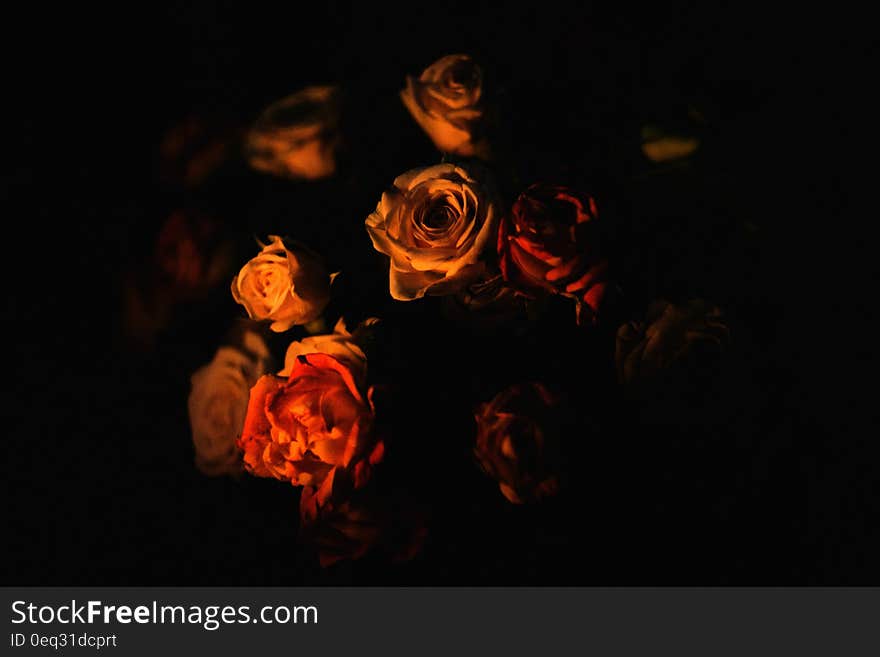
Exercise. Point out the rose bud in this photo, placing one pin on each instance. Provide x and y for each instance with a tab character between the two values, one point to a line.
218	401
346	524
548	244
446	102
341	344
289	286
435	224
518	443
300	428
670	335
297	136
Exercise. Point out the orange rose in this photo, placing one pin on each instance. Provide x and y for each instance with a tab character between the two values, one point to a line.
547	245
445	100
297	136
516	442
301	428
342	344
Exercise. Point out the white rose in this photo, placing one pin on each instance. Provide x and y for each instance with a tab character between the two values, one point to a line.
446	102
297	136
341	344
218	403
434	224
288	286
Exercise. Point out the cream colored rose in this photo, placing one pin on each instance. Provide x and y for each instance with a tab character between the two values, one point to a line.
341	344
446	102
287	286
218	403
297	136
435	224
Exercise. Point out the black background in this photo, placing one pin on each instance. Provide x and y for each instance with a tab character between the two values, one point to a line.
776	484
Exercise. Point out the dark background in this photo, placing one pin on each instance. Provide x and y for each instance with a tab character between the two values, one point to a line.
768	480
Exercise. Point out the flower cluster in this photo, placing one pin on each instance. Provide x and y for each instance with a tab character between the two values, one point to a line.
463	230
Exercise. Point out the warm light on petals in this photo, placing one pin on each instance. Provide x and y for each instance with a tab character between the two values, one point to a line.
341	344
218	401
289	286
302	427
548	244
434	224
446	101
297	136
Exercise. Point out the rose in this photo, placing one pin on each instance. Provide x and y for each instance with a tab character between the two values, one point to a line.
196	148
486	306
342	530
341	344
301	428
190	254
446	102
297	136
434	224
670	334
548	245
346	524
288	286
517	443
218	401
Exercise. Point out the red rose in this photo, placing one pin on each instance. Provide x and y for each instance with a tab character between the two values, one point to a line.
301	428
517	442
548	245
190	254
341	523
195	149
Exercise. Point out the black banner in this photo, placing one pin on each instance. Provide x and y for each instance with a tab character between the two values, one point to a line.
442	621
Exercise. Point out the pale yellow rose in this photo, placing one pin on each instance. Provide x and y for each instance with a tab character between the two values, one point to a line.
445	100
218	403
341	344
435	224
289	286
297	136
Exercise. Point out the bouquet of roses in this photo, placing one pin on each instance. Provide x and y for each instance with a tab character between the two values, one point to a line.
500	256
